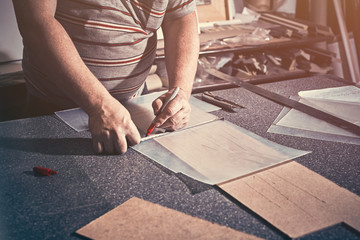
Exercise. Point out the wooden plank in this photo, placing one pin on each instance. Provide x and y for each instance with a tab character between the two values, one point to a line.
296	200
140	219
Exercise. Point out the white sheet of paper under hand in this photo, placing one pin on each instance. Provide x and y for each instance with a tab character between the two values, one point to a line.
142	114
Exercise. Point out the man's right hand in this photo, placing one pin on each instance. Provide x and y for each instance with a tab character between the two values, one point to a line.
54	53
112	129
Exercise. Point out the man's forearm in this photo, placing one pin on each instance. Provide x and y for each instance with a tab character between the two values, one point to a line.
50	49
181	51
56	55
181	55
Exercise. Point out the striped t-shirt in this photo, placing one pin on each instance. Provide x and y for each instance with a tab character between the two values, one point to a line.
116	40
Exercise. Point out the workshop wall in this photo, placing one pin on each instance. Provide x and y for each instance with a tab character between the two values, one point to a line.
10	39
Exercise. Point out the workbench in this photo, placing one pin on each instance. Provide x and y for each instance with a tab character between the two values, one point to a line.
89	185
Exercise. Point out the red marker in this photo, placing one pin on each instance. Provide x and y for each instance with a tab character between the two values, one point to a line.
173	95
44	171
150	129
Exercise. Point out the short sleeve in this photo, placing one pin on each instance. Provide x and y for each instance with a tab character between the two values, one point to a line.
179	8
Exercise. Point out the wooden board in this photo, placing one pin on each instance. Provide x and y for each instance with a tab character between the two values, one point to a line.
296	200
140	219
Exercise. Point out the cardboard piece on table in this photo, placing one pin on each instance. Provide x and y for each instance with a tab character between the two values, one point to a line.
296	200
140	219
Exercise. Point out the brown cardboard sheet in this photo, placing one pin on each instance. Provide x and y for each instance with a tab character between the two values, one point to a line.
295	199
140	219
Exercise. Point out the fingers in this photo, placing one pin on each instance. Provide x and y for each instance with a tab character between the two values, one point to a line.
175	115
175	122
97	145
133	137
115	142
120	146
112	130
157	104
107	144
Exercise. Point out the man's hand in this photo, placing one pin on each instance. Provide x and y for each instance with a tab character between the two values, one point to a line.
112	129
176	114
110	123
181	55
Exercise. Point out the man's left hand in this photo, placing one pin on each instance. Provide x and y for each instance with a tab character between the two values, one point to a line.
176	114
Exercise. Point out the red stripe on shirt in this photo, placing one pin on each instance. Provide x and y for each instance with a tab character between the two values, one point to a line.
148	9
125	62
126	77
107	8
84	22
107	44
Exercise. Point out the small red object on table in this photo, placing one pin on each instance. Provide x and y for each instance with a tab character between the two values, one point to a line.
44	171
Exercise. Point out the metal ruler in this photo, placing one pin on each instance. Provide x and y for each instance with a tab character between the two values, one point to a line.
287	101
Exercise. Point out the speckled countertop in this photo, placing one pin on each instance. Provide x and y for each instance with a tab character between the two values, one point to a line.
89	185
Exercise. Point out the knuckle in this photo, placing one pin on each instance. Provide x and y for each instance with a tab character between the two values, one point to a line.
173	121
172	111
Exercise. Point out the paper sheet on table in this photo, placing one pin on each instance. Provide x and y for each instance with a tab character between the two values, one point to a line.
140	219
216	152
343	102
141	112
208	149
344	94
296	200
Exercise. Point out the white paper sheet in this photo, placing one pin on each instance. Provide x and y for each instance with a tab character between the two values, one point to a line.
343	102
208	149
77	119
344	94
216	152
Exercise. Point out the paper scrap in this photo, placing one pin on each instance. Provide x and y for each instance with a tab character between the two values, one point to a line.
75	118
299	120
140	219
345	94
313	129
295	199
343	102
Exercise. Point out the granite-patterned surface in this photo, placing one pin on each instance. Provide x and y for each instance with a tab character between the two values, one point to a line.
89	185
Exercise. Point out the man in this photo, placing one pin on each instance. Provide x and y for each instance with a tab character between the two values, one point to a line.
93	54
